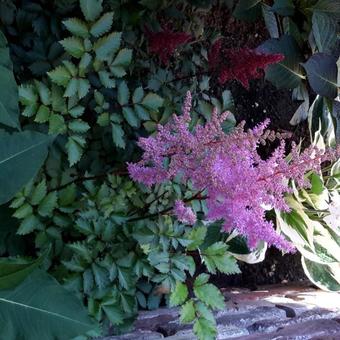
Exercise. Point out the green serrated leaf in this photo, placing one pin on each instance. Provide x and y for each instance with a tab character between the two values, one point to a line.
205	329
39	192
60	76
130	116
43	114
48	204
27	95
71	88
197	236
138	95
68	195
187	313
152	101
105	79
114	314
103	119
201	279
29	224
179	295
83	87
142	113
91	9
118	135
107	46
210	295
56	124
123	93
77	27
102	25
75	149
44	92
23	211
74	46
79	126
123	58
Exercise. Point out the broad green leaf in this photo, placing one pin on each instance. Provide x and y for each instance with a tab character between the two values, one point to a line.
300	93
9	111
5	58
284	7
287	73
330	7
77	27
14	271
326	277
179	294
187	313
290	28
270	21
324	31
322	74
210	295
118	135
152	101
248	10
107	46
40	308
21	156
74	46
123	93
91	9
102	25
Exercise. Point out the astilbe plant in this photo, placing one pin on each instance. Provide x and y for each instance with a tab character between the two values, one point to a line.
239	184
164	43
241	64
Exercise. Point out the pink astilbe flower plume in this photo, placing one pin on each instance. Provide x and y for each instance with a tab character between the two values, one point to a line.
239	184
164	43
183	213
241	64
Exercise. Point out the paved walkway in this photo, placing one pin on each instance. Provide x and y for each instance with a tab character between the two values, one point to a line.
282	312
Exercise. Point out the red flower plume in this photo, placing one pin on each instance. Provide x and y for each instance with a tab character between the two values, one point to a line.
164	43
241	64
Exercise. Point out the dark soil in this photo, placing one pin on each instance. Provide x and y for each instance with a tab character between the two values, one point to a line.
263	101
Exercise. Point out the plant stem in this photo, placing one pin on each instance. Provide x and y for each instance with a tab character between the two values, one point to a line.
196	196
